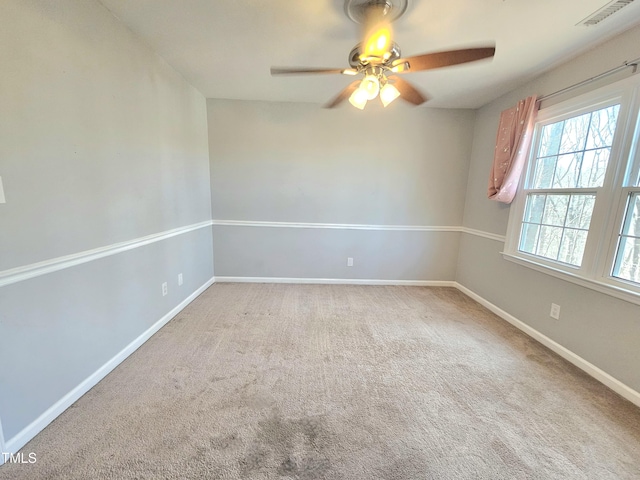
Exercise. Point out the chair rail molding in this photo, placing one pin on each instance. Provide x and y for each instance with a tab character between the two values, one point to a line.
19	274
359	226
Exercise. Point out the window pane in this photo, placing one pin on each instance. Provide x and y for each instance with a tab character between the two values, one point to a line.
555	210
545	168
574	153
632	223
580	210
550	139
594	166
567	171
556	226
529	237
603	126
549	242
535	208
572	246
628	264
574	136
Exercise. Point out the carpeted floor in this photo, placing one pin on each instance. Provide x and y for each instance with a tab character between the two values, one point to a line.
258	381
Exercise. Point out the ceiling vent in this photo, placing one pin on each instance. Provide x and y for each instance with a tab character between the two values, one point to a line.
599	15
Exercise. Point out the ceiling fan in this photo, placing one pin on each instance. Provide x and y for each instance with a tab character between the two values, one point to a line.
379	59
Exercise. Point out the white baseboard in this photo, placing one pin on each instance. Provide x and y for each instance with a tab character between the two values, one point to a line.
335	281
16	443
600	375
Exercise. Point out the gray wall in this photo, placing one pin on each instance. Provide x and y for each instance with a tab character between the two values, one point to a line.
599	328
100	142
285	162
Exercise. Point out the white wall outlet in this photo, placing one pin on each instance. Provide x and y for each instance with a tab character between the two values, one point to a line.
555	311
180	279
349	261
2	199
165	289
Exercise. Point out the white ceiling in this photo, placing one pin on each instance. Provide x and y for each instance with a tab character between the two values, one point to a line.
225	47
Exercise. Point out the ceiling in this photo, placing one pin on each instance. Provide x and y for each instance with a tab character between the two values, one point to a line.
225	48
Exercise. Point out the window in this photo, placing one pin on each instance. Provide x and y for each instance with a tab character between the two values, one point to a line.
627	264
577	212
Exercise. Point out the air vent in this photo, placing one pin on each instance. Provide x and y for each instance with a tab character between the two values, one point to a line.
599	15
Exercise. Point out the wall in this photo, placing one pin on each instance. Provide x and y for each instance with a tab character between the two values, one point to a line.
598	328
351	177
104	160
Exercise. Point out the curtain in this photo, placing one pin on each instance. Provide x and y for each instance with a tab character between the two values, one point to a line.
512	146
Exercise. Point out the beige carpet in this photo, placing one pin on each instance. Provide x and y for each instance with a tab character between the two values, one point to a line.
256	381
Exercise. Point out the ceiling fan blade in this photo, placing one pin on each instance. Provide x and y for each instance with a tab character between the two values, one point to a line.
343	95
307	71
408	92
429	61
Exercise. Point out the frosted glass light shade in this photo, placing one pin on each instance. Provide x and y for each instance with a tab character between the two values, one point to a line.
371	86
358	98
388	94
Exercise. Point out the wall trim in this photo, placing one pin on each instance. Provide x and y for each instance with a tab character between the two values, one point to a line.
603	377
336	226
19	274
482	233
19	440
336	281
360	226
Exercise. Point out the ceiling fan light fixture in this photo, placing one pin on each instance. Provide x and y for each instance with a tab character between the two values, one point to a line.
359	98
377	56
370	86
388	94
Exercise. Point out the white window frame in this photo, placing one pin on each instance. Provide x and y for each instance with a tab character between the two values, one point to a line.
611	199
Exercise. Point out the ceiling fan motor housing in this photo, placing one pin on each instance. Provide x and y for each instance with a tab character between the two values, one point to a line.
356	10
355	56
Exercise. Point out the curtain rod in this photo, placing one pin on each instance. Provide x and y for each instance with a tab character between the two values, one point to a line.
626	64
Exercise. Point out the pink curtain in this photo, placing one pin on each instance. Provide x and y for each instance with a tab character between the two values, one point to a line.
512	146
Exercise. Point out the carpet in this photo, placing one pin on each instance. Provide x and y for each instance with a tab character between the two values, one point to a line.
272	381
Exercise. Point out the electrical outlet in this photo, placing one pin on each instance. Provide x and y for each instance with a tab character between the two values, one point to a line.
180	279
165	289
555	311
349	261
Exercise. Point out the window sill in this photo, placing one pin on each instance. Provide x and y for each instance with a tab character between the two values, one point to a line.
599	286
